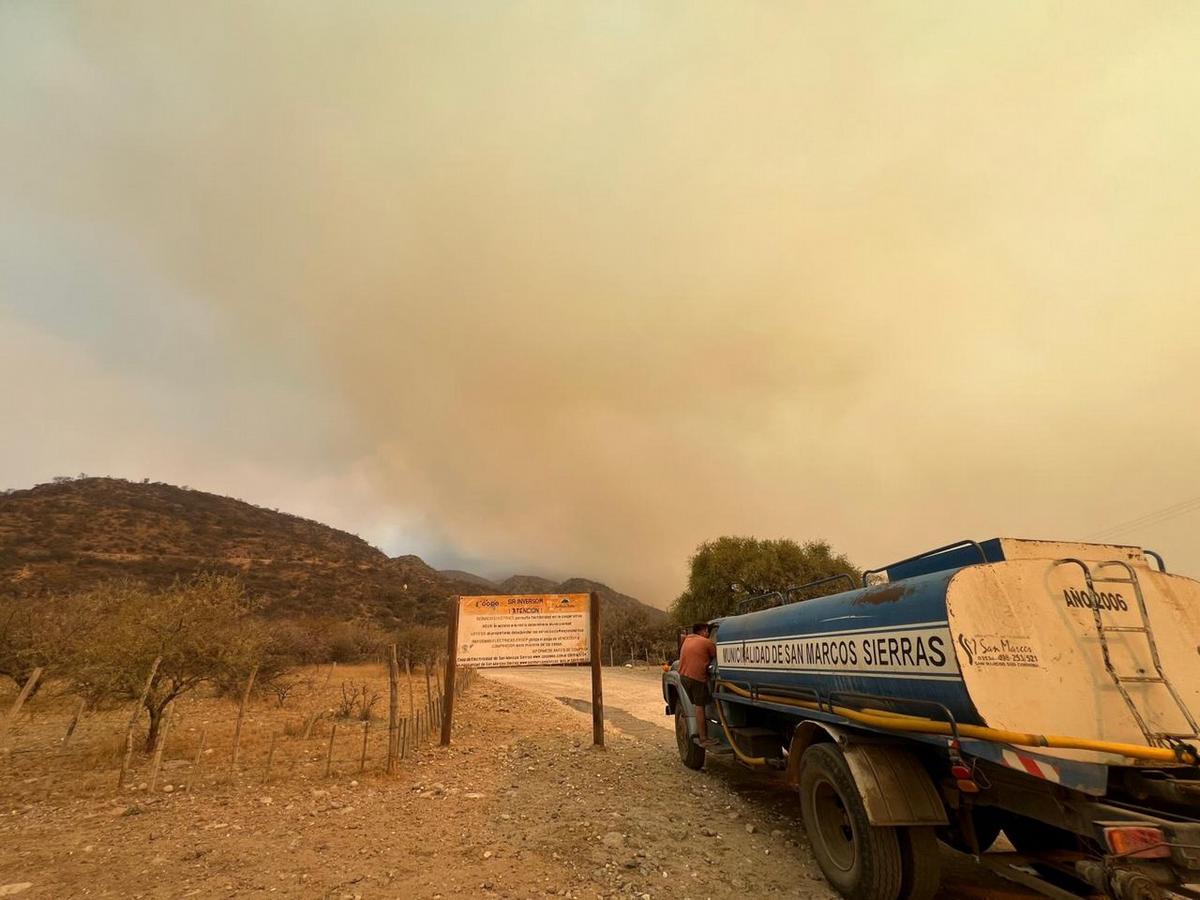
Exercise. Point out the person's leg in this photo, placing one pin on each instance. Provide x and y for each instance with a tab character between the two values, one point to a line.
701	723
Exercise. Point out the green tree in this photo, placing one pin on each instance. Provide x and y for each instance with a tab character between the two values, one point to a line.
726	571
625	633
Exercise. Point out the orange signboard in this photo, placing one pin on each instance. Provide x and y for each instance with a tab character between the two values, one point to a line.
523	630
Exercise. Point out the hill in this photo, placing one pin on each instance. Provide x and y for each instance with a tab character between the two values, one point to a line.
613	601
527	584
74	533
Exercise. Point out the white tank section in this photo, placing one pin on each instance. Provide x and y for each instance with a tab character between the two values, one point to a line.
1032	657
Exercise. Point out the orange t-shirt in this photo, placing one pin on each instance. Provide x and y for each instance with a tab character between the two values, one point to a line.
695	655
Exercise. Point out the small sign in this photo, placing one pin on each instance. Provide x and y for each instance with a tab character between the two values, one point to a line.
523	630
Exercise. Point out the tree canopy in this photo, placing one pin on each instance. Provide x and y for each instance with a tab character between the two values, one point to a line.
755	566
202	630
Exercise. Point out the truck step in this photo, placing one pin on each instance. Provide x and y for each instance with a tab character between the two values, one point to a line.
1140	628
1141	679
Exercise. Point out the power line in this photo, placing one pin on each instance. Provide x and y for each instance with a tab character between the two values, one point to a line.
1151	518
1137	520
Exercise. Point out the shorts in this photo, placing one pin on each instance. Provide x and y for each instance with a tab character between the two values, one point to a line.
697	691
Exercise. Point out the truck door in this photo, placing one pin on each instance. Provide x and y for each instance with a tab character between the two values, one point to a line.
714	724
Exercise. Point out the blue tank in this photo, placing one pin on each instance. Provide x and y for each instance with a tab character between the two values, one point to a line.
889	640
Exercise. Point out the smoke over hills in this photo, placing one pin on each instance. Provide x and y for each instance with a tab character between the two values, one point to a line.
594	284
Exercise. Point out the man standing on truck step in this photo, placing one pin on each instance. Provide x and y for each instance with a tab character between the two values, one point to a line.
696	652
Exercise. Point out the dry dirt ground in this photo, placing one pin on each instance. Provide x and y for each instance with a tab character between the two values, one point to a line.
519	806
633	703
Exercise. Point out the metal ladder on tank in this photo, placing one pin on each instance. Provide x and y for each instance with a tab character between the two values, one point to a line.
1153	738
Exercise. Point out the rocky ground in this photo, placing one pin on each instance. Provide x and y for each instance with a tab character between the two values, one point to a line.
520	806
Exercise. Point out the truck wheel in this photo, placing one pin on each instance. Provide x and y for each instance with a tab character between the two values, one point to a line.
860	860
691	753
920	863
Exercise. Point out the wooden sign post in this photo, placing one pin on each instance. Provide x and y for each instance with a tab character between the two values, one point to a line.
597	686
451	668
524	630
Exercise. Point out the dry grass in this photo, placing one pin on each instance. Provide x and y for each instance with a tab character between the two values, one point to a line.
35	765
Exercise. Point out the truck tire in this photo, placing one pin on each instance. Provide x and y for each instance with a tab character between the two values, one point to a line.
920	863
690	753
860	860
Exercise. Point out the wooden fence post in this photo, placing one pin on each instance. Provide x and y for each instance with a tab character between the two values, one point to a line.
15	709
159	746
137	710
412	697
199	758
403	738
362	761
237	729
393	709
428	685
74	723
329	754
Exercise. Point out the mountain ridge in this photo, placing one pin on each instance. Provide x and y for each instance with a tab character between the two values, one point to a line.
71	534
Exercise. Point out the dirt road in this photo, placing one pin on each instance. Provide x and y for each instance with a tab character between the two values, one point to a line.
633	704
629	694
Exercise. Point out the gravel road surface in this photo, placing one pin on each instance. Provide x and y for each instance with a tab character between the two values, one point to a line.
633	705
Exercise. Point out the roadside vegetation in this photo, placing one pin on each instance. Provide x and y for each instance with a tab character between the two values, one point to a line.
125	642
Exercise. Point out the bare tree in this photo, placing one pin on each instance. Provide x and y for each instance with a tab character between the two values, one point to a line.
284	685
420	643
203	629
40	632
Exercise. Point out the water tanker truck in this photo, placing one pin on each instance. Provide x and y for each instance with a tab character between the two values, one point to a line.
1043	689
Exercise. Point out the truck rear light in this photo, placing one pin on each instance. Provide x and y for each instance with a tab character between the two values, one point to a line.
960	771
1137	841
967	786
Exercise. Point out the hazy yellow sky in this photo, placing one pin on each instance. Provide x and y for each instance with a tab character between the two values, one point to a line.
571	287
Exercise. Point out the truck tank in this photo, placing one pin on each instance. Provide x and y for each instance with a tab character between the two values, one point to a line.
1086	640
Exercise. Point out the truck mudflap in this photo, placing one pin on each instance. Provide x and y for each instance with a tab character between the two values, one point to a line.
894	787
